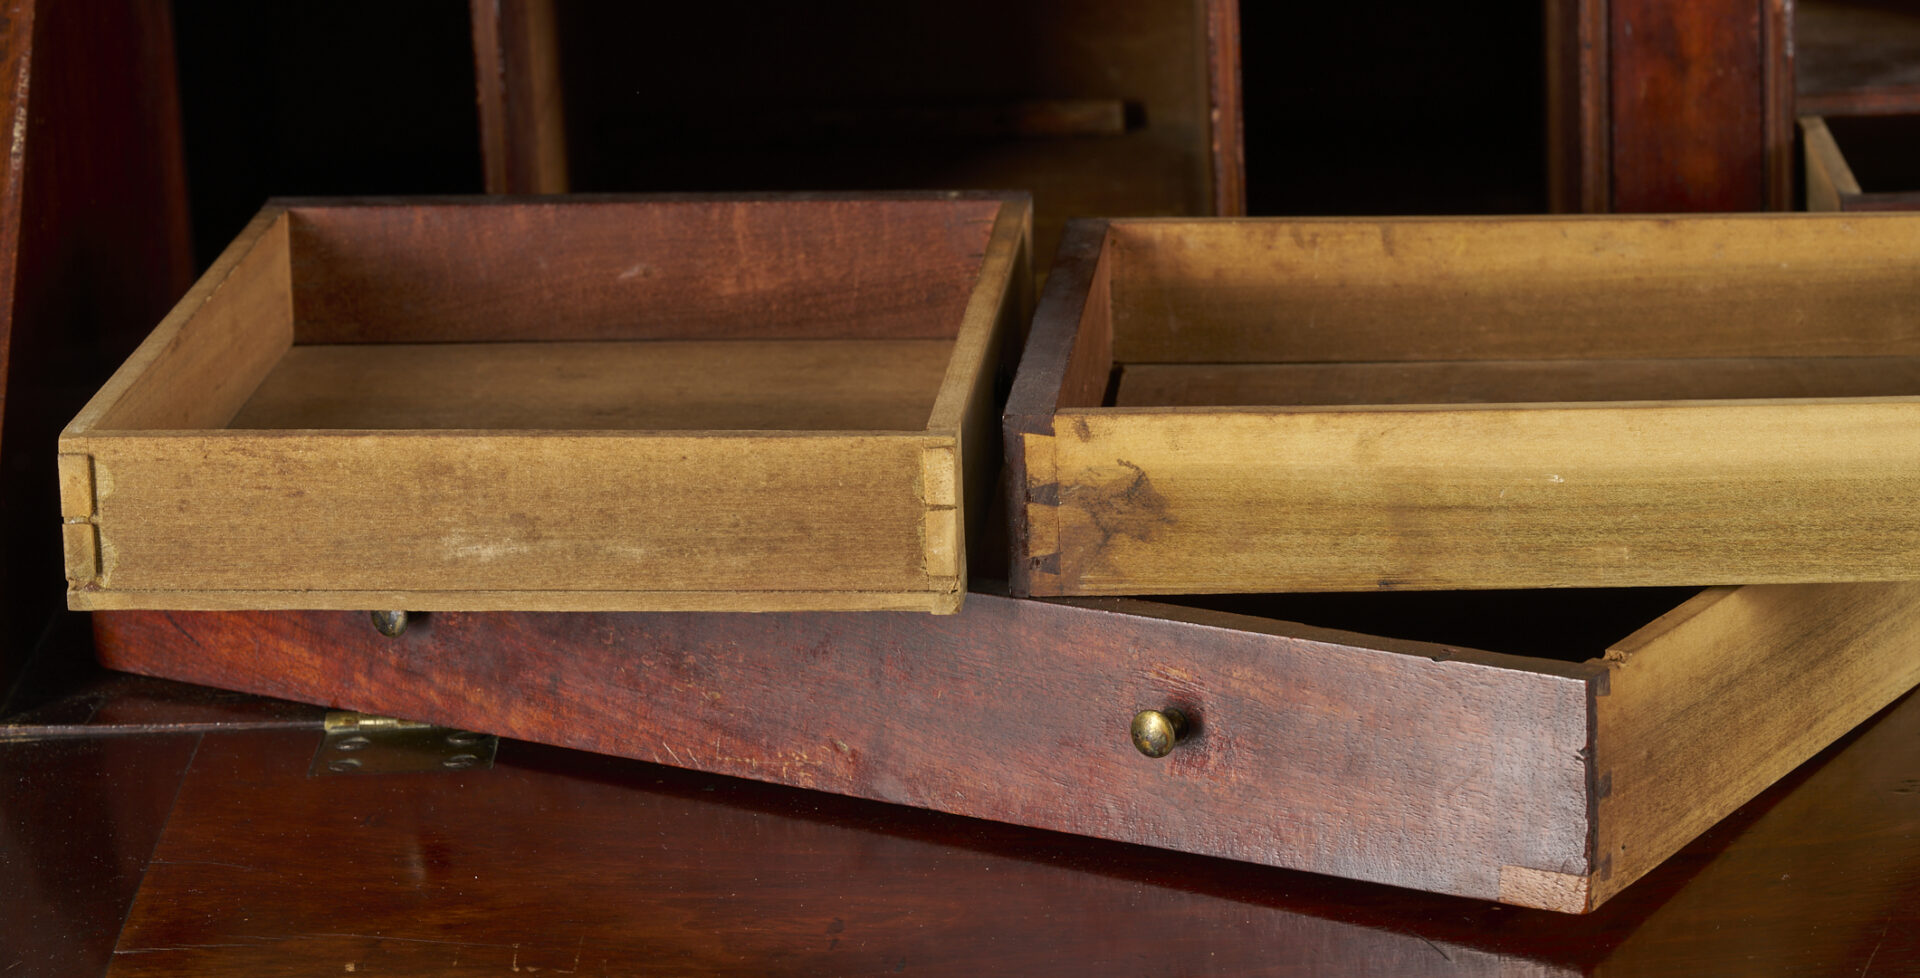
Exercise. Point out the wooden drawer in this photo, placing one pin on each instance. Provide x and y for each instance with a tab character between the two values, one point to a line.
1879	169
631	404
1551	771
1301	405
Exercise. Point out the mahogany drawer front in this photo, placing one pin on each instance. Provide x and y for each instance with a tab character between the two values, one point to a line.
1872	163
592	404
1525	779
1307	405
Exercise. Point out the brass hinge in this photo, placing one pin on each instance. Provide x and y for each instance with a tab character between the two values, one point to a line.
356	743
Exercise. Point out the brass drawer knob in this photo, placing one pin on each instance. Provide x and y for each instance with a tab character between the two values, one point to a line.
390	623
1155	732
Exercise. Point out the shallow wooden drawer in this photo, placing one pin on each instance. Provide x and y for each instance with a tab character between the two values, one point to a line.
1862	163
1541	748
1300	405
631	404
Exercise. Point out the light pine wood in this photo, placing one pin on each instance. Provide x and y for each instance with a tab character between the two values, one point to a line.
208	355
1162	501
679	385
1336	290
1770	445
1512	381
761	468
958	487
1723	696
489	511
1830	180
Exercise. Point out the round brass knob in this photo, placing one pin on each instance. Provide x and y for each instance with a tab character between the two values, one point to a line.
1155	732
390	623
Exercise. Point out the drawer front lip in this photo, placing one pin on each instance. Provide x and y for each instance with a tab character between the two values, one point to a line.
1631	495
1430	772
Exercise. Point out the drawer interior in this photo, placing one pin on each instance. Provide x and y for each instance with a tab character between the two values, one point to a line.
666	314
1510	381
1882	151
1562	624
1415	311
658	385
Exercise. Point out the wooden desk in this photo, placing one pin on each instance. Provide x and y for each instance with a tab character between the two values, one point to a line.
190	816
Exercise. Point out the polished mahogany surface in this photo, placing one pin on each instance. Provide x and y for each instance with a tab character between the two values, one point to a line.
569	862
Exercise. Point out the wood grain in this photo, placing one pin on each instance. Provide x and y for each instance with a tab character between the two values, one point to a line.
1857	58
1579	120
78	822
1067	361
827	267
1400	761
93	250
210	353
792	385
1361	756
959	487
1688	101
407	872
1577	288
523	133
320	513
554	862
1513	381
590	474
1835	655
1225	118
1830	181
1187	500
1396	491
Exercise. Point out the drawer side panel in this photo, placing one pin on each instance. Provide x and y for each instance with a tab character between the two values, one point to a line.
1621	495
1705	713
397	512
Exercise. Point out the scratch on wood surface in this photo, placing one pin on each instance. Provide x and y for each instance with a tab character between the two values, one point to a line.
174	947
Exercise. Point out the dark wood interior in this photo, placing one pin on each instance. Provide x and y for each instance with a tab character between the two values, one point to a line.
1570	625
1857	57
1883	151
1095	106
